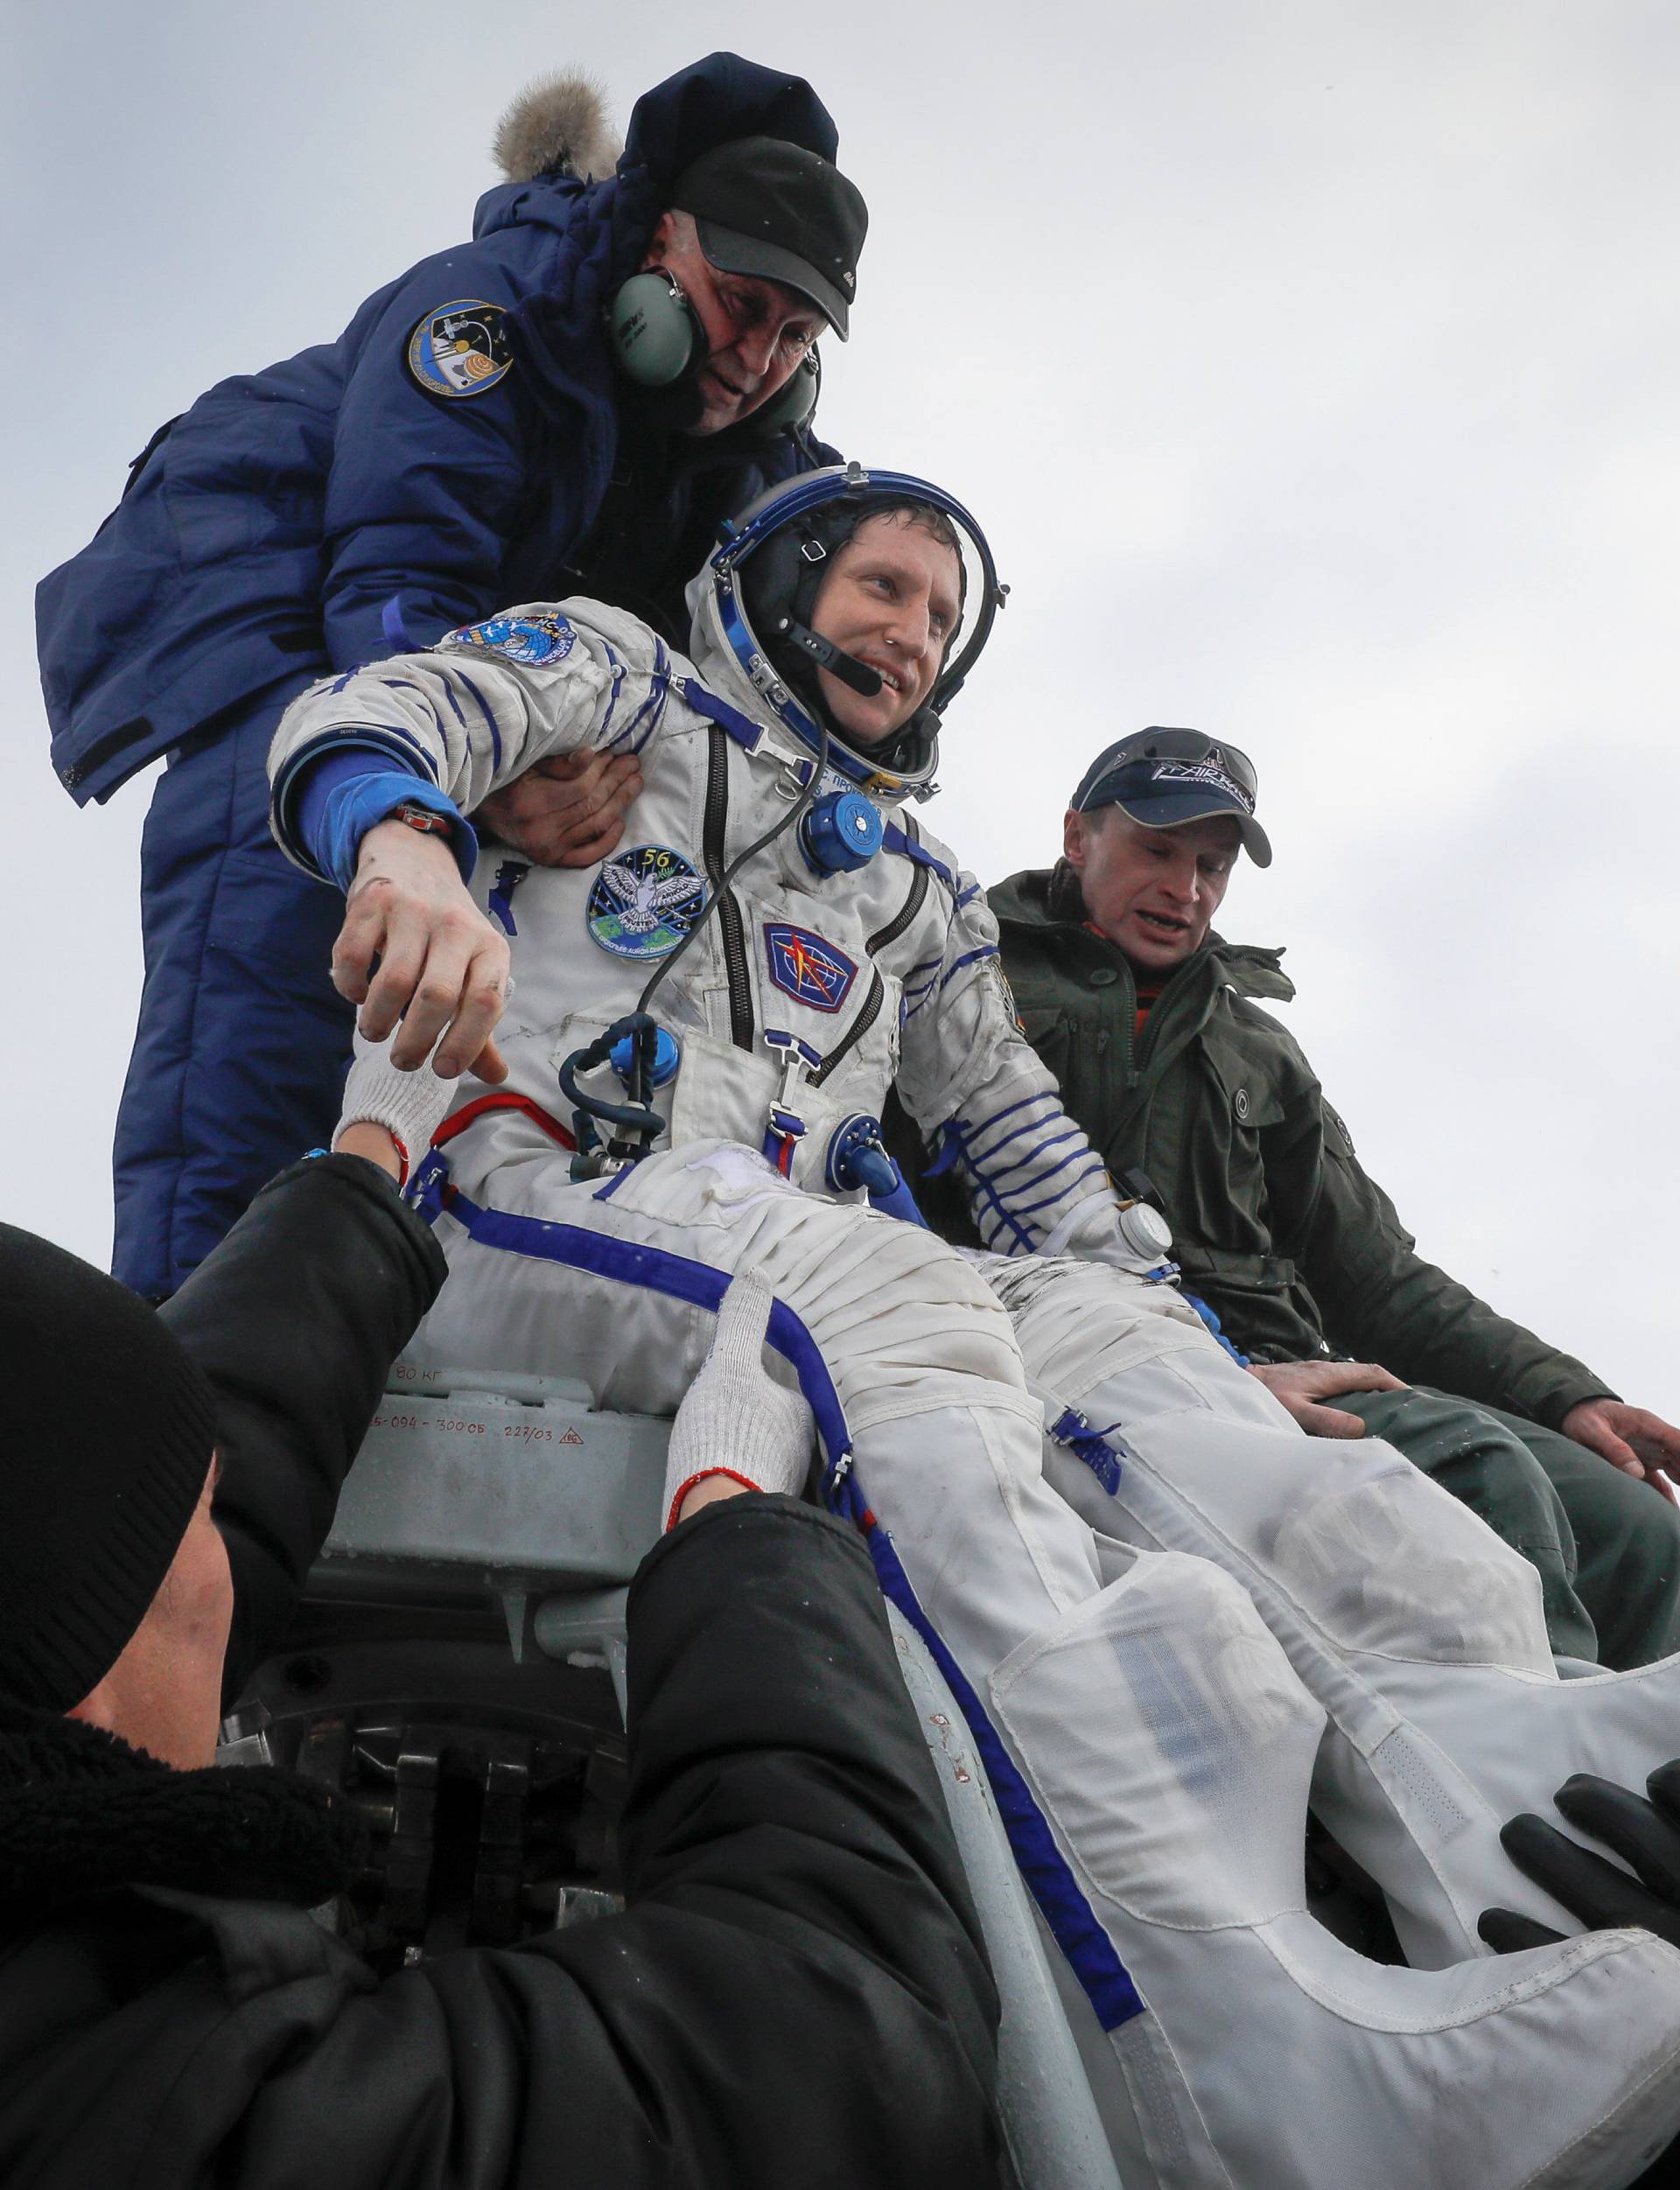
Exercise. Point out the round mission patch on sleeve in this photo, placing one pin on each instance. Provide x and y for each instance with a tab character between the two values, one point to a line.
461	349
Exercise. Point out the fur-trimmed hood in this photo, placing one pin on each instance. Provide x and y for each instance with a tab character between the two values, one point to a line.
558	125
555	139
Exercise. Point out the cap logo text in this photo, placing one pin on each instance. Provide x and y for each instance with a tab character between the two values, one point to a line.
1203	772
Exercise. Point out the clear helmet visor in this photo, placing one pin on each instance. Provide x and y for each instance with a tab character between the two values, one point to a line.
761	589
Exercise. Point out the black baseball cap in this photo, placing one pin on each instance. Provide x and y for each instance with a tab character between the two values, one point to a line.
766	207
1162	777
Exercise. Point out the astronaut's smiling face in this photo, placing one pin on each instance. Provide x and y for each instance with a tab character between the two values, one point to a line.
890	598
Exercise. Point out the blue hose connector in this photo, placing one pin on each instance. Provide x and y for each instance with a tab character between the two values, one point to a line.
666	1056
841	832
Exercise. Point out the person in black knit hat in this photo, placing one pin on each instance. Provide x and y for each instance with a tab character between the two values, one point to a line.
796	1993
107	1483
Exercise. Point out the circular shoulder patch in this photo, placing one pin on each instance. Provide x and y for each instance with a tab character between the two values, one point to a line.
538	641
644	902
1341	1125
460	349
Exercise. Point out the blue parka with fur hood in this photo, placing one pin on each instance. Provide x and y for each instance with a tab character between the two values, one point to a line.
366	494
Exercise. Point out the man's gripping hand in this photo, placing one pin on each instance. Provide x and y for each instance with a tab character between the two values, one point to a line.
738	1429
406	1106
1301	1385
1645	1834
1629	1437
442	965
566	811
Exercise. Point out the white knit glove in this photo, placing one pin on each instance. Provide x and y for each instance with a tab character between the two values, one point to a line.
410	1105
736	1420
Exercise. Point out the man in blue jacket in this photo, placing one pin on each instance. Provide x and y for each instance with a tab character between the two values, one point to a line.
516	418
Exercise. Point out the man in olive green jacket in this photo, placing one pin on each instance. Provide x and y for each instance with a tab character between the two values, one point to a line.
1149	1021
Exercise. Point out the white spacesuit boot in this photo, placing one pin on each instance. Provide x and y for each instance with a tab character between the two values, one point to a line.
1267	2054
1417	1629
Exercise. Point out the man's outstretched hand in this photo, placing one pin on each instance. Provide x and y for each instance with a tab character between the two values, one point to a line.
1644	1833
568	810
1631	1438
738	1429
1302	1385
389	1115
442	965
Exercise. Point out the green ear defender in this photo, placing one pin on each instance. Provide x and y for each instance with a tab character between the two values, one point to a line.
657	335
794	402
656	331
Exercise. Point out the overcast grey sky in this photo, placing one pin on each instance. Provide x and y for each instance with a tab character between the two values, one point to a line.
1311	366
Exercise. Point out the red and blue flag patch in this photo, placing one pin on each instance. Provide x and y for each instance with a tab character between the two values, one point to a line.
805	968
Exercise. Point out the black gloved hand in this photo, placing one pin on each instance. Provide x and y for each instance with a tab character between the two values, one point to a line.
1646	1835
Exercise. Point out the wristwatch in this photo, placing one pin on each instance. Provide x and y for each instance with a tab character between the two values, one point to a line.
420	817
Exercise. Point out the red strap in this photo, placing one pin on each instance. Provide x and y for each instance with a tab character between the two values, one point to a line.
703	1475
459	1120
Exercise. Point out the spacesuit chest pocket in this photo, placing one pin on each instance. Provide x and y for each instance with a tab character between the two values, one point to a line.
818	983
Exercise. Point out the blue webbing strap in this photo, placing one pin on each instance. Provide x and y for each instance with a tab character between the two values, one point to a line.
740	727
509	875
1095	1447
896	839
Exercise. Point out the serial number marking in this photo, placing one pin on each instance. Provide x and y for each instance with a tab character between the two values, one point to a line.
412	1421
448	1425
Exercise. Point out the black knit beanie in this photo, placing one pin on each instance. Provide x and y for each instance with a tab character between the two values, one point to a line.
108	1429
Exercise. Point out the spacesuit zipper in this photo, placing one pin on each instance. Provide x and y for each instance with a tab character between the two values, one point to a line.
868	1014
905	914
729	912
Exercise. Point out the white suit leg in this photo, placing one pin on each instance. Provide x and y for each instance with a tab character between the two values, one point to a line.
1420	1631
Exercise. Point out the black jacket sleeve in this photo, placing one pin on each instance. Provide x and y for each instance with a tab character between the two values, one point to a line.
295	1319
796	1996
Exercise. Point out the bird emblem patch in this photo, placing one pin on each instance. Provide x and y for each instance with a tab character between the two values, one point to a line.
538	641
460	349
805	968
644	902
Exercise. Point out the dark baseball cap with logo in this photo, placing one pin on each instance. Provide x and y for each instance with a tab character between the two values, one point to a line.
766	208
1163	777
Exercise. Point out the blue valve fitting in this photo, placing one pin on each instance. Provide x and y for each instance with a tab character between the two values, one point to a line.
857	1158
841	832
666	1056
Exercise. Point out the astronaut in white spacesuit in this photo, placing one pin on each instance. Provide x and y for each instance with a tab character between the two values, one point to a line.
1032	1438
